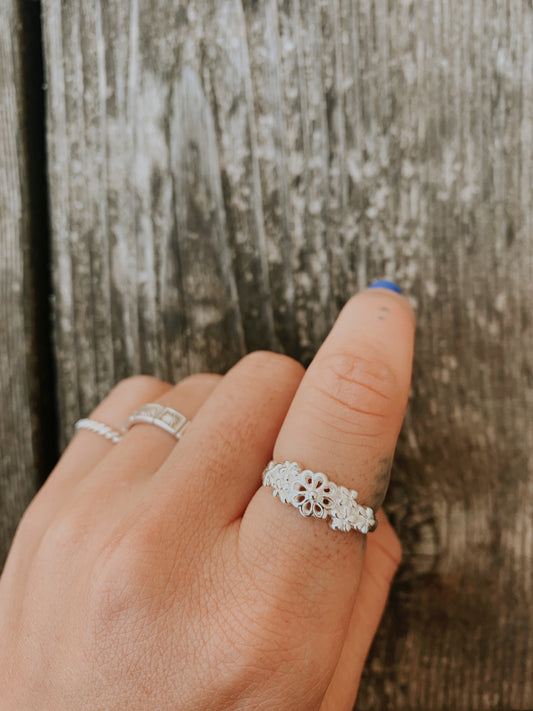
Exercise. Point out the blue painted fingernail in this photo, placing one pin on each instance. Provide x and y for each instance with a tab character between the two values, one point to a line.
384	284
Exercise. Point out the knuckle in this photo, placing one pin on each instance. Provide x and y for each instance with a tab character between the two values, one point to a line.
200	380
396	550
62	539
119	596
386	560
360	389
30	522
132	581
35	520
387	541
137	383
29	529
112	588
282	651
384	555
258	363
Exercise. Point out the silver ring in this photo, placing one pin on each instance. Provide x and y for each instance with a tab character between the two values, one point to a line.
166	418
99	428
313	494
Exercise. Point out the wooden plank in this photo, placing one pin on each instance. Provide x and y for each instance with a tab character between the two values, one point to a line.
18	470
224	175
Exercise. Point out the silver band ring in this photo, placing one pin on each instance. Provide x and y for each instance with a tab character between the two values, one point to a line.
313	494
164	417
99	428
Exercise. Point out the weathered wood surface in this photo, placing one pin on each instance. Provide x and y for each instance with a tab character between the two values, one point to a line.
224	175
18	472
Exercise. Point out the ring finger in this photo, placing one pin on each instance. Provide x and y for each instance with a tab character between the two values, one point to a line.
145	446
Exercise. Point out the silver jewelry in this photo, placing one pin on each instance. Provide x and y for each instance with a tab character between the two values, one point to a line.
166	418
313	494
99	428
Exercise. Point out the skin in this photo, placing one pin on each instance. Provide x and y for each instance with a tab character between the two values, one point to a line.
158	575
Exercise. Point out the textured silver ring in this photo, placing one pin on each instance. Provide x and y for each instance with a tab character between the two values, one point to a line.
99	428
313	494
161	416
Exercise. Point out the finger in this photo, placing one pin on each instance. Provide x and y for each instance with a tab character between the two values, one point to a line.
138	455
382	559
344	421
84	452
217	467
145	447
87	449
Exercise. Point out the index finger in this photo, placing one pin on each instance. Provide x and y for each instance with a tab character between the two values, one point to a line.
344	421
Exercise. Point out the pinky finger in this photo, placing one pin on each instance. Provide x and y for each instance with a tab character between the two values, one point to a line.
382	559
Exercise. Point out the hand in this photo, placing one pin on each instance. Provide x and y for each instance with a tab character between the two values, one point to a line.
154	575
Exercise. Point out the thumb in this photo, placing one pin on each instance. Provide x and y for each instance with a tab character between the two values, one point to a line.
382	559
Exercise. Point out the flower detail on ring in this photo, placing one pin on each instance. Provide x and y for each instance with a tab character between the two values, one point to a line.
343	513
312	493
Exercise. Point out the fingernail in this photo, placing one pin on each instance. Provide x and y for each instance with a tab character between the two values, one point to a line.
384	284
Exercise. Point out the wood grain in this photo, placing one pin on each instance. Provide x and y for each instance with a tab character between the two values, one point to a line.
224	175
18	471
